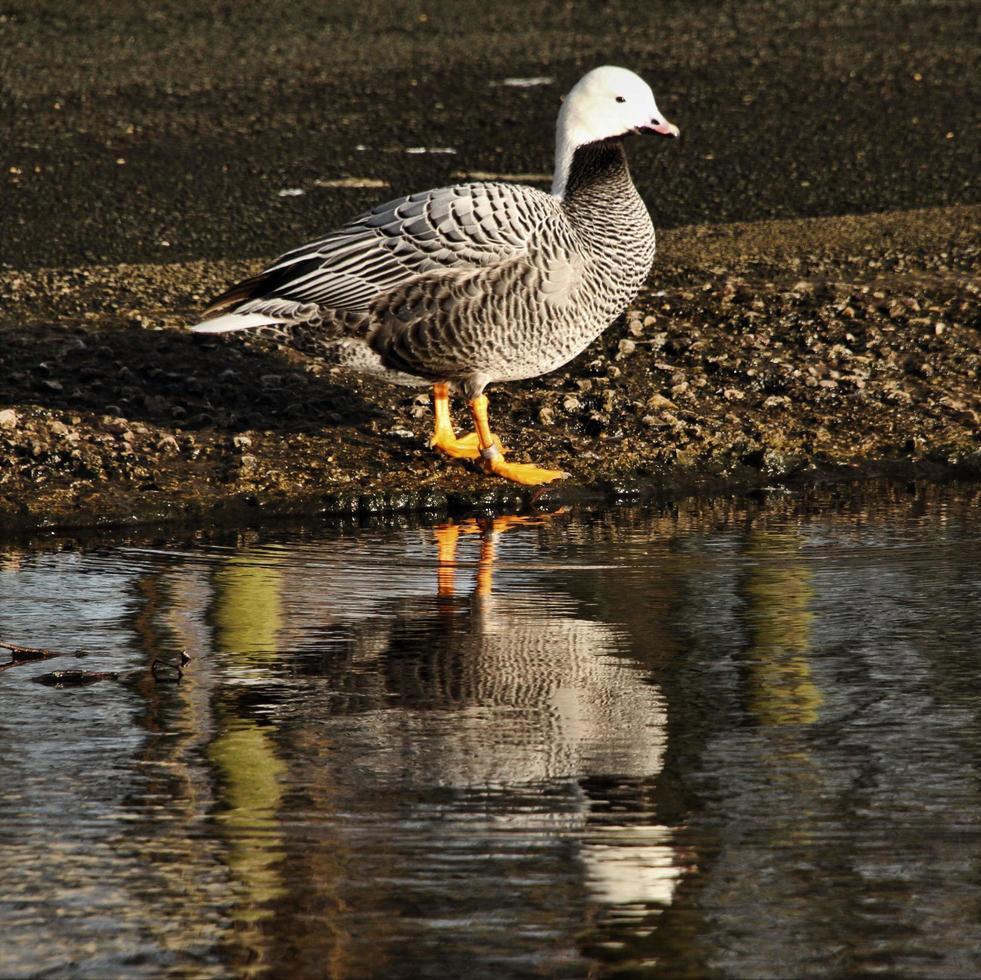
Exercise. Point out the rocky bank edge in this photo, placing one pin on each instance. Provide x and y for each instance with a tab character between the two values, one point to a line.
766	352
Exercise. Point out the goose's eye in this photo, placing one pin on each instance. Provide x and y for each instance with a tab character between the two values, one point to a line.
620	98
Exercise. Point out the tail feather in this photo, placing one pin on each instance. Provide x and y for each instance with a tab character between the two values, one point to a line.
228	322
236	295
257	302
270	283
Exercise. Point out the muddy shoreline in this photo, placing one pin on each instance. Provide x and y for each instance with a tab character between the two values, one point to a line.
151	154
771	353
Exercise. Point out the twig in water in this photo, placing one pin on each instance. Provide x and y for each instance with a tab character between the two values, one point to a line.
25	655
78	678
75	678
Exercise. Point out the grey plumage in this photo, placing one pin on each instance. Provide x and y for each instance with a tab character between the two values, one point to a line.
469	284
579	264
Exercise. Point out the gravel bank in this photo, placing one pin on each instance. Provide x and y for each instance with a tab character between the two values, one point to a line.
764	352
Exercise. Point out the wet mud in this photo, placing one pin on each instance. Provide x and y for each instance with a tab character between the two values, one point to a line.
761	353
812	313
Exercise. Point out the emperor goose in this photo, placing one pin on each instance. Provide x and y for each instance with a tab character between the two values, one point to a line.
466	285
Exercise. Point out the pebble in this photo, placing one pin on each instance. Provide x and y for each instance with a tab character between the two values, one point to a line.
168	444
659	401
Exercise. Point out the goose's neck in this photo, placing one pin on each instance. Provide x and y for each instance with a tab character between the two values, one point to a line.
590	167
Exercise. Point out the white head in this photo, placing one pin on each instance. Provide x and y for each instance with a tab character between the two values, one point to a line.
606	102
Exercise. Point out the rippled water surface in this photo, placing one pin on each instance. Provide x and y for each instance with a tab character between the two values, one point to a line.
722	738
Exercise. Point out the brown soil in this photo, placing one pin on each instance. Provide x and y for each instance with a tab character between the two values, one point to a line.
776	351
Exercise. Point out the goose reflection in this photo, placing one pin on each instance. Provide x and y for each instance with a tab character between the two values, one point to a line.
468	696
536	692
532	696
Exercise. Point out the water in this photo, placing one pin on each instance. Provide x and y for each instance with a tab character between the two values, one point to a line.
723	738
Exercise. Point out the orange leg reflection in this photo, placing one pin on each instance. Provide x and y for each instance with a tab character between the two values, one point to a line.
446	538
448	535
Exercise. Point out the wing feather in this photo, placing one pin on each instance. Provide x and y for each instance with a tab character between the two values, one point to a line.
450	229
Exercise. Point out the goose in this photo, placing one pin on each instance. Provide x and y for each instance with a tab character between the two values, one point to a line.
477	283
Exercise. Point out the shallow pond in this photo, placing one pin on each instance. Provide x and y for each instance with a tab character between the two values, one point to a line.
715	738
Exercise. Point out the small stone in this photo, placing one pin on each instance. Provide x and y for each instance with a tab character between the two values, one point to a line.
8	418
660	402
545	415
241	441
571	404
776	401
625	348
248	461
168	444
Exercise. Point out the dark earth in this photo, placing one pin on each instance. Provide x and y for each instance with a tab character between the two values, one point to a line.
813	311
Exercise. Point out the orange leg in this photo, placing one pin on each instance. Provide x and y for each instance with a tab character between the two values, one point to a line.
444	438
493	461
